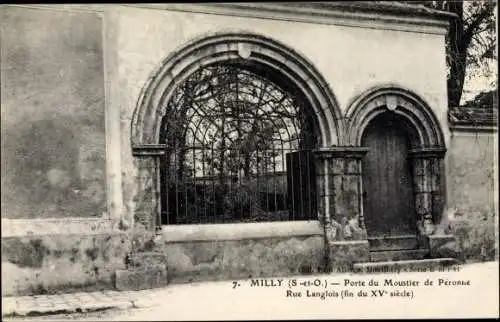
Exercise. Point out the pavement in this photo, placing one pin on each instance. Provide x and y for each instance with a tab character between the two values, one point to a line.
244	299
76	302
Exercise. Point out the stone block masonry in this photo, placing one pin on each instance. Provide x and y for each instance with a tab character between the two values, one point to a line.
141	279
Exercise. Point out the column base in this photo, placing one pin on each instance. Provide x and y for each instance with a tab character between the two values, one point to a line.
429	227
343	254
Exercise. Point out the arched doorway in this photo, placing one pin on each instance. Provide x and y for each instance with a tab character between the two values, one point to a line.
402	172
389	206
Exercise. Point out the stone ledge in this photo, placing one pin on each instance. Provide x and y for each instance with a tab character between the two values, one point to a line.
52	226
332	16
239	231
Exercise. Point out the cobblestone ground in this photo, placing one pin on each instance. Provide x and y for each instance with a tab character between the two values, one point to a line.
223	301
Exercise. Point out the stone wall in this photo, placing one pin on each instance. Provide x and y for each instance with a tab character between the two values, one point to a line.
246	258
52	103
472	205
473	157
51	263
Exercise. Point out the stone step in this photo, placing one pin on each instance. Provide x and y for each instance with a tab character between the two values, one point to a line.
393	242
397	255
410	265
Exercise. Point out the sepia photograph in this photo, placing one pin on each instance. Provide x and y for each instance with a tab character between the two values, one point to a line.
249	160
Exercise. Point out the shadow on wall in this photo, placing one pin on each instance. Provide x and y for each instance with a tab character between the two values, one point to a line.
52	171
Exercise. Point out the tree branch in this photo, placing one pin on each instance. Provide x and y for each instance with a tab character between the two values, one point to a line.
478	19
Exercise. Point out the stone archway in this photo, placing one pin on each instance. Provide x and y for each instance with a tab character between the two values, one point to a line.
210	49
420	159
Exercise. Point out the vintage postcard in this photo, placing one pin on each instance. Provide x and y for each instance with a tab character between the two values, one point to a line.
215	161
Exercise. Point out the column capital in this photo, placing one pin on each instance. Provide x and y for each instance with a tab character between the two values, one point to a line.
341	151
427	152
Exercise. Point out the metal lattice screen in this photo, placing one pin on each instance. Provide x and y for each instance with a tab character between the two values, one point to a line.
237	150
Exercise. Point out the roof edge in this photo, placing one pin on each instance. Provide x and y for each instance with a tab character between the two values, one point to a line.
392	7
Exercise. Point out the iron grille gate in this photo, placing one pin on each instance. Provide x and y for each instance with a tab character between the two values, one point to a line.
238	149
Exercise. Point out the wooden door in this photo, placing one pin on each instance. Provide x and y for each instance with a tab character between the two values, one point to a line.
388	202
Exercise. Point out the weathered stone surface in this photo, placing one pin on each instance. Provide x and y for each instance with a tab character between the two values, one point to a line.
140	279
353	166
471	175
436	242
321	207
427	166
320	166
351	184
388	243
320	182
418	169
399	255
450	249
437	206
344	253
436	166
216	260
419	184
423	203
339	207
54	159
337	184
337	165
434	182
345	229
147	259
46	264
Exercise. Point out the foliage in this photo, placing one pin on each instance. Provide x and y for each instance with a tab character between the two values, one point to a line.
228	120
470	42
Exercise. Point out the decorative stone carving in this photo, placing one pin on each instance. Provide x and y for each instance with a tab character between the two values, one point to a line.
427	185
342	193
244	50
392	102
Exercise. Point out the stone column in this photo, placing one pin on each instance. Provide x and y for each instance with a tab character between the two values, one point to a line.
339	181
147	195
427	187
437	189
323	197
